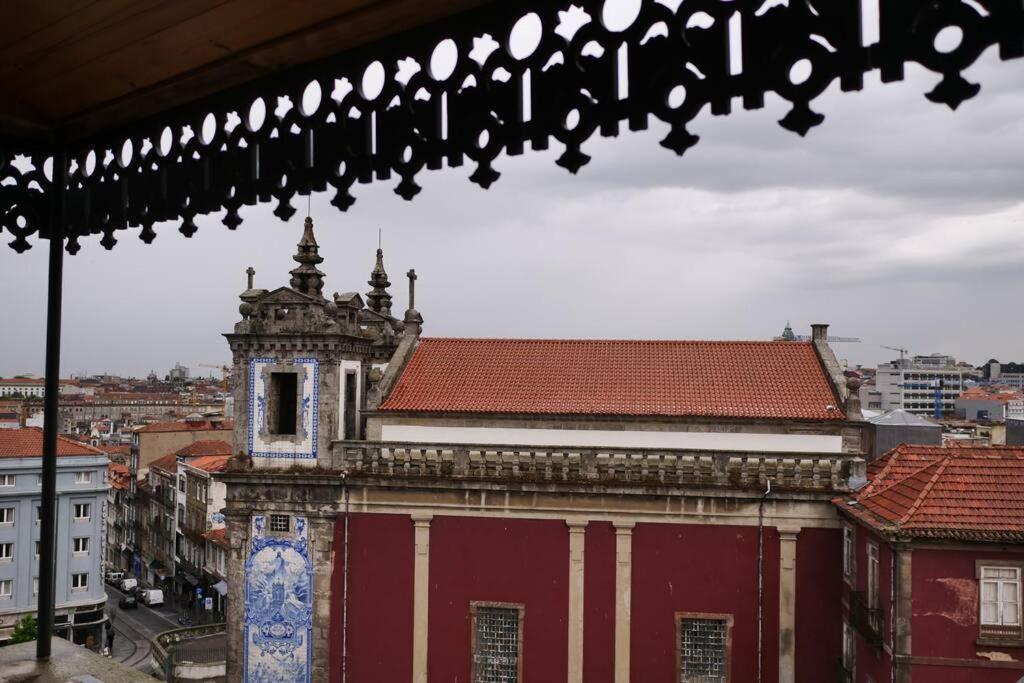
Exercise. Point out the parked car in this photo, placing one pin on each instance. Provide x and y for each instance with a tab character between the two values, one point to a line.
114	578
153	597
128	602
127	584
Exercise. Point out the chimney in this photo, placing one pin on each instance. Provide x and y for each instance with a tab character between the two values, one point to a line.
819	332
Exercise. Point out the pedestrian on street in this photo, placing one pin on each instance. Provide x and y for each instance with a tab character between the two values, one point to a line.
110	640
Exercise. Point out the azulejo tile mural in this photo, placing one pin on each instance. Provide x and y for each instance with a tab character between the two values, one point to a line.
262	444
278	606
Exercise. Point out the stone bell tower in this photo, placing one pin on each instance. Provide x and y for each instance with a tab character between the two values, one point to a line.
303	363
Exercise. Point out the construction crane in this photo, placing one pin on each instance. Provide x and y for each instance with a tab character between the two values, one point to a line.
830	339
902	352
225	370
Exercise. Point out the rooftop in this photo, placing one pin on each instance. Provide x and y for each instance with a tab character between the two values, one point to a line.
218	536
205	447
168	463
952	493
210	463
187	426
737	379
28	443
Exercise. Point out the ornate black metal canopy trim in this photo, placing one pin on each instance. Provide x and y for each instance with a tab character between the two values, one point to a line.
495	80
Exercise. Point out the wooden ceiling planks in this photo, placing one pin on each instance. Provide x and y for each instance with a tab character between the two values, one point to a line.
106	62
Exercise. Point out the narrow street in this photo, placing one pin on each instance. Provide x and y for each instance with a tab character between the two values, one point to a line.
135	627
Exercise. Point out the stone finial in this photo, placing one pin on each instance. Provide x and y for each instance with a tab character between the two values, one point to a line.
378	298
307	279
413	319
251	273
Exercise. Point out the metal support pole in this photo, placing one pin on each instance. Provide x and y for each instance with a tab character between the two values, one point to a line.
48	516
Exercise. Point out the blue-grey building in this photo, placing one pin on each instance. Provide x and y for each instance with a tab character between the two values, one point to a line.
81	507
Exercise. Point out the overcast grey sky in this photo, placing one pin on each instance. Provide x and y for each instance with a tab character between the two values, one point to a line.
897	221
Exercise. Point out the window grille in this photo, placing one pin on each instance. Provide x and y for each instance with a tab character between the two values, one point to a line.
497	649
280	523
703	649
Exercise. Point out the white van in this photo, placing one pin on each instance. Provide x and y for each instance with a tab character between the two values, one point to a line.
153	597
114	578
128	584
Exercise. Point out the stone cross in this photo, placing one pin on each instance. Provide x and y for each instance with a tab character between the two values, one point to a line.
412	287
250	271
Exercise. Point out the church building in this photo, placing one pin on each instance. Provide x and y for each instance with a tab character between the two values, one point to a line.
408	508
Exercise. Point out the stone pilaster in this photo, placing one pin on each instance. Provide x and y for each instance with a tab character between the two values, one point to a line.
787	603
238	525
623	597
321	555
421	595
903	558
577	538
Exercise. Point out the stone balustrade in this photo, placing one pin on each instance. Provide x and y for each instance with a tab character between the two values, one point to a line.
580	465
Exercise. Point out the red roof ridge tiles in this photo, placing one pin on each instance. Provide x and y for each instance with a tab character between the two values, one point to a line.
627	377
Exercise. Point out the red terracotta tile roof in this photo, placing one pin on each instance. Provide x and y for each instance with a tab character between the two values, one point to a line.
168	463
118	475
962	493
205	447
28	443
183	426
218	536
771	380
210	463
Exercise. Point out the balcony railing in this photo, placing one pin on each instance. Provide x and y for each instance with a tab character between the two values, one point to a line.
579	465
867	620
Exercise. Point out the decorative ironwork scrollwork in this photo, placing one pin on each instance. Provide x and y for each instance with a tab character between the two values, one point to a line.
496	80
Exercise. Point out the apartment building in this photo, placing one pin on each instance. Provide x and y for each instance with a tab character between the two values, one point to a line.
917	383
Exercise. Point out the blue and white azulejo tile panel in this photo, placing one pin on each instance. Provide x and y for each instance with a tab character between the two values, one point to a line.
278	606
262	444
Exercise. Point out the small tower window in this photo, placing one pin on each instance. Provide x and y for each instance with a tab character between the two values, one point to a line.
350	405
284	403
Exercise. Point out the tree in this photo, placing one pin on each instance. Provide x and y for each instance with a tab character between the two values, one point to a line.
24	630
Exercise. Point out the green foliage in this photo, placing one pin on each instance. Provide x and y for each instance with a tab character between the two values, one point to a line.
24	630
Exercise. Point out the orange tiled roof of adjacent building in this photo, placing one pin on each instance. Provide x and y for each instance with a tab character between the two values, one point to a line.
28	443
218	536
768	380
119	475
210	463
962	493
183	426
168	463
205	447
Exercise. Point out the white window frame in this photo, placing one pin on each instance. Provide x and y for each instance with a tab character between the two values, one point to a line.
10	520
1001	578
88	512
82	579
75	543
872	577
849	553
83	477
35	585
7	480
7	551
6	589
850	650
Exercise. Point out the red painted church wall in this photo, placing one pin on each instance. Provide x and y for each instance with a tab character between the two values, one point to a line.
380	598
599	604
945	621
522	561
701	568
819	576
